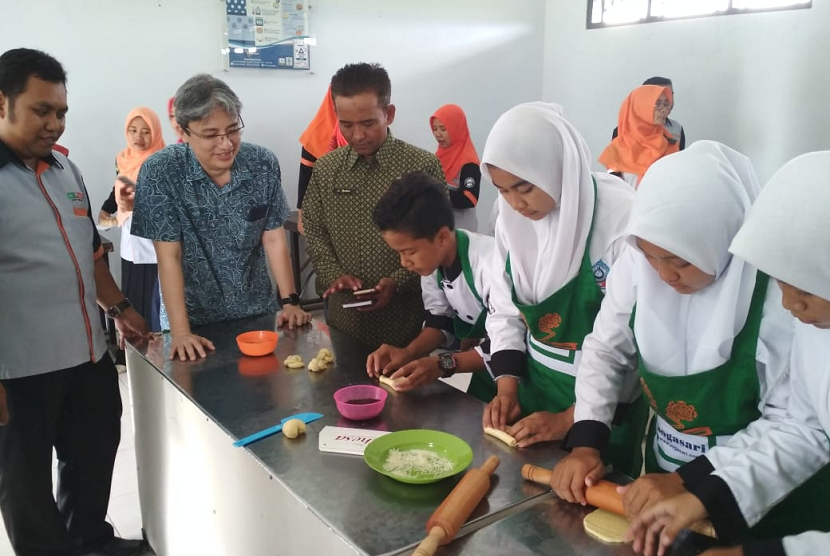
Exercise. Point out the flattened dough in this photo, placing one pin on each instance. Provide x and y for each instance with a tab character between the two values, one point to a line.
605	526
387	381
501	435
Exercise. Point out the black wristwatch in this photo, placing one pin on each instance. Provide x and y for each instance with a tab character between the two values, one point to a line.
292	299
448	364
115	311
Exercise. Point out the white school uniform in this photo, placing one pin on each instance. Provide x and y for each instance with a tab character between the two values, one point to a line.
766	461
535	142
690	204
455	298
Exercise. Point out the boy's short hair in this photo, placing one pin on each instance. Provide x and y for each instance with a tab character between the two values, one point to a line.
414	204
354	79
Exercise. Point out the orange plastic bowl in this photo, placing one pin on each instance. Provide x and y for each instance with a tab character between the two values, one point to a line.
257	342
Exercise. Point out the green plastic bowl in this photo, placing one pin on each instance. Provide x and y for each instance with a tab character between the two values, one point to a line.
442	443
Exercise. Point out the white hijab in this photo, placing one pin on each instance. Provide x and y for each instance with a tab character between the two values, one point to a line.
535	142
787	231
692	204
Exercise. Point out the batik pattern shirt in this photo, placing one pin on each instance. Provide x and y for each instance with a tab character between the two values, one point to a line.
220	228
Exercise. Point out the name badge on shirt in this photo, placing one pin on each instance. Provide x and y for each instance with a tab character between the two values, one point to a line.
344	190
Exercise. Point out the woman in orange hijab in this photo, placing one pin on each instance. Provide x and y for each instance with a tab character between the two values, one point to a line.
460	163
320	137
642	137
139	269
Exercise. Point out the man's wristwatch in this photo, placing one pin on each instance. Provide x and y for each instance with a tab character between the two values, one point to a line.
292	299
116	310
448	364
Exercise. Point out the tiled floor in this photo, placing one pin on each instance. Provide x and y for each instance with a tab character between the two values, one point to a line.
124	511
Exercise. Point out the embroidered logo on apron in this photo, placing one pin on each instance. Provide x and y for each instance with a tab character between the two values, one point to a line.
548	323
680	411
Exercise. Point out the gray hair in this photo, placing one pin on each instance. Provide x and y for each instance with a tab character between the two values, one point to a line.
200	95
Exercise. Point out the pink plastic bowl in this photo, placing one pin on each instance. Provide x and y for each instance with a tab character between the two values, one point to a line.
360	402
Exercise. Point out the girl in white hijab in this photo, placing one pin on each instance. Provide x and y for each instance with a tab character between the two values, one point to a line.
700	330
787	236
559	230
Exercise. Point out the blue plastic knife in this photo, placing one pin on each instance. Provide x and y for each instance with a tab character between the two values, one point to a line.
304	417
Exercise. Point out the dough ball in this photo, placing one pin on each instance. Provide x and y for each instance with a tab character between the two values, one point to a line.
293	428
315	365
294	362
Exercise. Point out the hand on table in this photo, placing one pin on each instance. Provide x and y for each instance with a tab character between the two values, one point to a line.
581	468
648	490
541	426
657	527
386	360
131	326
501	410
418	372
292	316
189	346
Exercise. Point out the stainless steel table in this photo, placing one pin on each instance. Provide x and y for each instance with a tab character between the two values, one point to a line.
201	495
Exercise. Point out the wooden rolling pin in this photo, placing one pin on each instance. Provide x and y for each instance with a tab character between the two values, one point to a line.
445	522
604	495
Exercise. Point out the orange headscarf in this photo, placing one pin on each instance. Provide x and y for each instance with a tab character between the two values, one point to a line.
461	150
129	160
639	142
323	132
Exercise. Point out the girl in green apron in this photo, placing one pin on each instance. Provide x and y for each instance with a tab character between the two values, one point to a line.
760	465
559	231
416	220
700	330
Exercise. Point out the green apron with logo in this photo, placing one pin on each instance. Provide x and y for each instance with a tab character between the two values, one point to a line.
481	384
556	327
692	411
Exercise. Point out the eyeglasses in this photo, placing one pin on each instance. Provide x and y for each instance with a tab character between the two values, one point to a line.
662	104
217	137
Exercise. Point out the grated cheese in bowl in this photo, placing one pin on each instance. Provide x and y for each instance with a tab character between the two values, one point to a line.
417	463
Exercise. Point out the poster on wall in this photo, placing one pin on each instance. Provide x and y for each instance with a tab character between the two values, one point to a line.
268	34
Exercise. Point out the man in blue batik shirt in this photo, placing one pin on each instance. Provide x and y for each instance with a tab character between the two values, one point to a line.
214	208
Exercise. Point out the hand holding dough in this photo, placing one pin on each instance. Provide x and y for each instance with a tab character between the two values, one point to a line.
293	428
501	435
388	381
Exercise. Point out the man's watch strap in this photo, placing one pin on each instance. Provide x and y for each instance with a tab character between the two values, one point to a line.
118	308
448	364
292	299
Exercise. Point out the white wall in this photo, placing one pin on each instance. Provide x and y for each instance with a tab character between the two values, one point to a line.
124	53
756	82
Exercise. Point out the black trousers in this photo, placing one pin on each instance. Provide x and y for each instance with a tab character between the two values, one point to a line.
78	412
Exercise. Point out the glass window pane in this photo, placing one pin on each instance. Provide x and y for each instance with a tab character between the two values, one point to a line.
596	11
685	8
624	11
761	4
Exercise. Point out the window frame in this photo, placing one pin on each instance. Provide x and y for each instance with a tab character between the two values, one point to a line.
656	19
